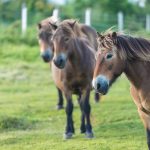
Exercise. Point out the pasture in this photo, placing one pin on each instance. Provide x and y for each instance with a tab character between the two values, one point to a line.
29	120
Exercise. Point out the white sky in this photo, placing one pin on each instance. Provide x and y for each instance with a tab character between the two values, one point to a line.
61	2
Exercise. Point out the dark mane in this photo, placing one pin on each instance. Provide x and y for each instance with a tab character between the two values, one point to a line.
133	48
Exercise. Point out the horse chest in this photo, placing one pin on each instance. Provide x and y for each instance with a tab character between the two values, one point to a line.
76	82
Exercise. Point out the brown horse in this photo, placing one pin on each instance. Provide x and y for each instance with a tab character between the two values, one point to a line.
73	70
120	53
46	29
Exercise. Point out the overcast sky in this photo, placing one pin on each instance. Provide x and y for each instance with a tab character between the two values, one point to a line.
61	2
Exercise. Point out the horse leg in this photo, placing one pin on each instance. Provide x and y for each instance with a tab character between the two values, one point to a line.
145	117
79	98
82	127
97	97
69	109
60	99
146	120
86	110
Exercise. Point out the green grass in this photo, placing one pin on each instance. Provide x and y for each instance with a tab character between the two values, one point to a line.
29	120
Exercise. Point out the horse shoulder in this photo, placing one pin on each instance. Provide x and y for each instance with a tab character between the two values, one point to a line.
57	76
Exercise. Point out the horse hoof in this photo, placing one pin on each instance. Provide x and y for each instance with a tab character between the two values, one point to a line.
82	131
89	135
68	135
58	107
96	100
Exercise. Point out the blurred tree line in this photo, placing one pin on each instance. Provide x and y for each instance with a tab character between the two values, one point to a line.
109	6
104	15
104	11
11	9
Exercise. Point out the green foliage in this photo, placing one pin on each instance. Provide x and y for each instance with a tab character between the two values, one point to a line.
147	6
11	9
111	6
134	23
104	13
79	5
13	34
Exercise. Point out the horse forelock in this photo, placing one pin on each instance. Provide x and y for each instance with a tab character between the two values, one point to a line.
52	20
105	43
73	27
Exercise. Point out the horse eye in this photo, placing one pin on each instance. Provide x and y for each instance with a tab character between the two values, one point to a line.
109	56
49	34
66	39
40	35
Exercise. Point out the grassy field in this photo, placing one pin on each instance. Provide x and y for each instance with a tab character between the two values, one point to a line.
29	120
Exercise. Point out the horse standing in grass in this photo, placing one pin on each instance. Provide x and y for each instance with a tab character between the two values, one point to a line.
46	29
122	53
73	70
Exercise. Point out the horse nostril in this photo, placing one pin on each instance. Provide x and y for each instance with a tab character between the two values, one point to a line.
98	86
46	58
60	61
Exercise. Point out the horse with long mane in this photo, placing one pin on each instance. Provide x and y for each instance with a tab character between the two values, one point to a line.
73	68
120	53
46	29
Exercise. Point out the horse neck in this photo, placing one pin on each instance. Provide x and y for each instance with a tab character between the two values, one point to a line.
137	72
78	31
81	55
76	55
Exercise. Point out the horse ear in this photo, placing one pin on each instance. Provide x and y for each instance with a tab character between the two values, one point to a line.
114	35
54	26
72	23
100	35
39	25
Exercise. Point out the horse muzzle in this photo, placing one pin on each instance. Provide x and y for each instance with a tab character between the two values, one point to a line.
47	55
101	84
60	61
